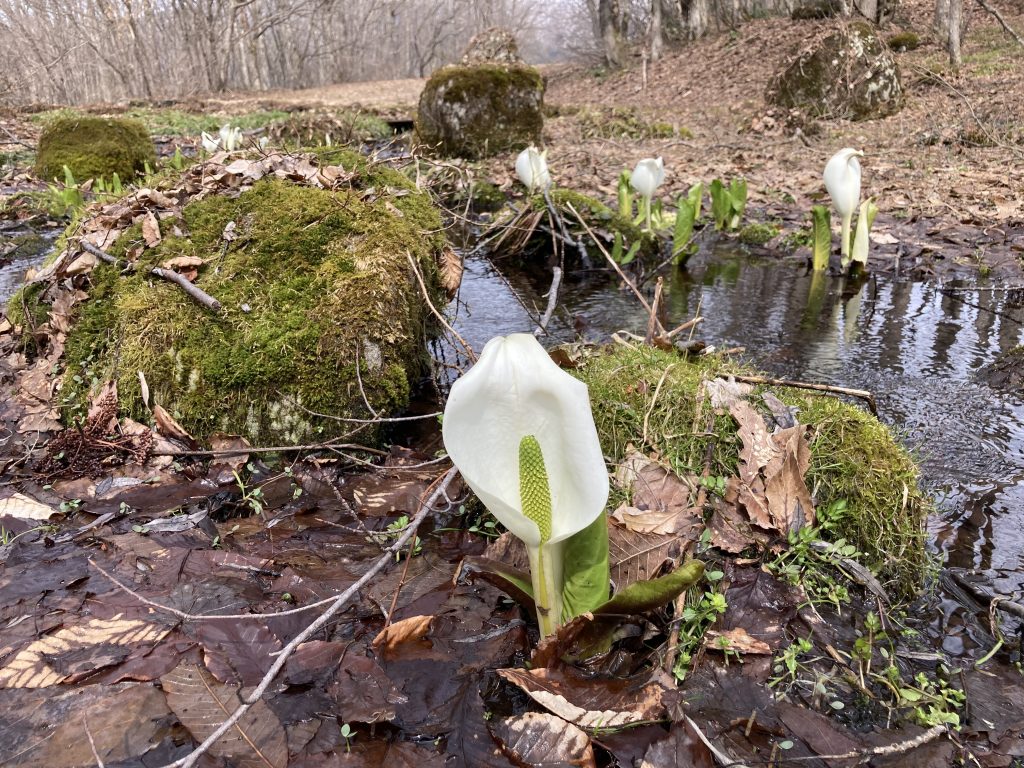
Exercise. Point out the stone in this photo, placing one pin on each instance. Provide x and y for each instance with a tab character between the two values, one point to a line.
492	46
848	72
94	148
481	110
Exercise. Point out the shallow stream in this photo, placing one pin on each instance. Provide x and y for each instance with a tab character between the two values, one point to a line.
917	348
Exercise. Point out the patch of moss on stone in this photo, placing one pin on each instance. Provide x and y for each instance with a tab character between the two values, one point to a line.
93	148
904	41
313	281
758	233
482	110
854	457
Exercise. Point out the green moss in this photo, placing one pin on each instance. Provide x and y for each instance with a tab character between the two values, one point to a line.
625	123
854	457
904	41
313	280
94	147
169	121
758	233
486	196
317	130
481	110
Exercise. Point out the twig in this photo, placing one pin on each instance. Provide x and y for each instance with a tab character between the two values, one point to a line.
719	755
862	755
325	446
440	318
1002	22
650	409
999	601
92	744
339	602
861	393
556	280
195	292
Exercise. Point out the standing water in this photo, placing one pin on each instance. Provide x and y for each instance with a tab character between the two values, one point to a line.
918	349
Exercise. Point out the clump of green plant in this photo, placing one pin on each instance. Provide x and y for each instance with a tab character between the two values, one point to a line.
758	233
625	123
728	203
854	457
680	223
821	237
904	41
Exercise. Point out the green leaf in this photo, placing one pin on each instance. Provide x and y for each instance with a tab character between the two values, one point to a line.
685	217
585	574
643	596
737	201
721	205
625	196
634	249
821	218
617	248
695	197
512	581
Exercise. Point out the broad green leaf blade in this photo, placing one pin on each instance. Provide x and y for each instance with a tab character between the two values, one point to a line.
821	218
625	196
585	574
634	249
512	581
685	218
643	596
737	201
696	199
720	203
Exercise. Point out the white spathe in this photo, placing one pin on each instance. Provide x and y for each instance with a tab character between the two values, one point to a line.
230	138
515	390
532	169
210	144
842	180
648	175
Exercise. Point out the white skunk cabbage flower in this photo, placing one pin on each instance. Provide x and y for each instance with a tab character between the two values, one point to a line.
842	180
230	138
210	144
263	143
532	169
522	434
648	175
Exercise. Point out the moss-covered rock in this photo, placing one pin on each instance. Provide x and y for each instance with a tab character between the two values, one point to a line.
864	482
94	147
757	233
481	110
846	73
314	283
904	41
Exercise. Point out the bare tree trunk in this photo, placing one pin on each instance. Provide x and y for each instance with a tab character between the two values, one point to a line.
657	35
950	27
608	20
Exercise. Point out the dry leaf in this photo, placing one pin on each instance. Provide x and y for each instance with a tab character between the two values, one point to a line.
451	271
201	703
151	230
42	663
181	263
144	387
737	639
25	508
539	739
393	635
168	427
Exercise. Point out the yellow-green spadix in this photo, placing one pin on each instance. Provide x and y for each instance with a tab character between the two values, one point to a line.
522	434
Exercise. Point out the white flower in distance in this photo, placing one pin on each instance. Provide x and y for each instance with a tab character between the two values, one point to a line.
210	144
522	434
230	138
648	175
532	169
842	180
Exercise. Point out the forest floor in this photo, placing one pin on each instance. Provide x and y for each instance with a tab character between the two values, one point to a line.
110	651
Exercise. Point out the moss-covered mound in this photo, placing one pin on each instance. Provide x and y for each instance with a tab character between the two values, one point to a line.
481	110
314	129
847	73
94	147
313	284
854	457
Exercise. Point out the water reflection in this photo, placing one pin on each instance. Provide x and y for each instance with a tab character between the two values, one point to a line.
917	348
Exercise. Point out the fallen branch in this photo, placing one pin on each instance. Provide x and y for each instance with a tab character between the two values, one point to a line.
1002	22
339	602
197	294
863	394
556	280
863	755
1001	602
440	318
